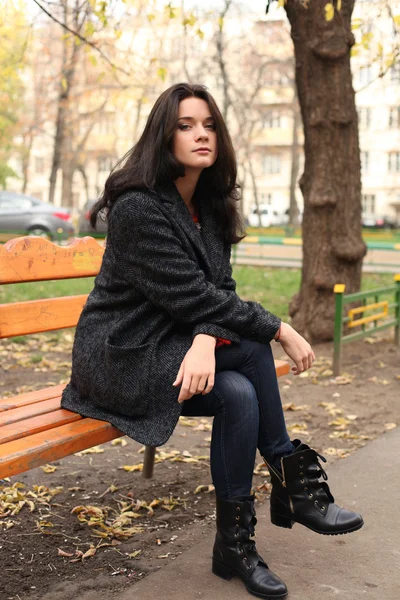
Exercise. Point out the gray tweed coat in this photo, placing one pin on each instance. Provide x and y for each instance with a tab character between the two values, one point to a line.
162	281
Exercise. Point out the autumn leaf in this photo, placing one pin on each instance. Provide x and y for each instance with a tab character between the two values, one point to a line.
204	488
329	11
292	406
119	442
89	553
94	450
132	468
48	468
339	422
62	553
389	426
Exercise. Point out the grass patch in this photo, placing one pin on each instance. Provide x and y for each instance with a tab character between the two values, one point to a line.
274	288
19	292
271	287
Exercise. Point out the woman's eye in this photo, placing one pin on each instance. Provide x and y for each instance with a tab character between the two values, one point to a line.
184	127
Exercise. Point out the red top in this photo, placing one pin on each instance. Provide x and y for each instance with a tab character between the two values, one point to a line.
220	341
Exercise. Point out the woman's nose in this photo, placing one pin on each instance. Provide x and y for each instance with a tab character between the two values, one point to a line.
201	131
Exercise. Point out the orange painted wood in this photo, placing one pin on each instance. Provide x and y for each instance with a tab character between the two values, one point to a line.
35	316
31	397
38	449
281	367
37	259
32	410
20	429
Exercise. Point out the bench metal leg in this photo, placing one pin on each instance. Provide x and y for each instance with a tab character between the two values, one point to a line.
148	461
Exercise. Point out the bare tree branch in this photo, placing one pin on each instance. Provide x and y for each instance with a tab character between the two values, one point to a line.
82	39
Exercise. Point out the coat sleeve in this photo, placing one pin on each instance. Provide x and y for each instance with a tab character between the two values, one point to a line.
228	284
152	258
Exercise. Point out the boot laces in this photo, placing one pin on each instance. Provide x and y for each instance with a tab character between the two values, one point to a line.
321	471
320	467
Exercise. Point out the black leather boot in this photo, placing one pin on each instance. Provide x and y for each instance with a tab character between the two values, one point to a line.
235	553
298	497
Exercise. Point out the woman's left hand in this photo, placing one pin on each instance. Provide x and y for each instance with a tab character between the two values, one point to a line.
297	348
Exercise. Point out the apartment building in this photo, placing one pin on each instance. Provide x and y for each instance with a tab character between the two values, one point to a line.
273	111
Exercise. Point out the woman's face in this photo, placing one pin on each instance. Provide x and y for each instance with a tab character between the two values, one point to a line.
195	129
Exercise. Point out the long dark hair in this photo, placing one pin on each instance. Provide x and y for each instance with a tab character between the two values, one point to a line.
150	163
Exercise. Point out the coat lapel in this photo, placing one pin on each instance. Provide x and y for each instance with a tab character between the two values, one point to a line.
206	242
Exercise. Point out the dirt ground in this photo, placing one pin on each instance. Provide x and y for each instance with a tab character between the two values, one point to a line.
86	522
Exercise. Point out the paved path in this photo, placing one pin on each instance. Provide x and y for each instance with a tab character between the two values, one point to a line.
379	261
361	566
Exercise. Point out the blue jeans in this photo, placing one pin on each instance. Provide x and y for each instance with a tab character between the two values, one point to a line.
247	410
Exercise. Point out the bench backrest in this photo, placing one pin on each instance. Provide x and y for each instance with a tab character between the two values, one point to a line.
27	259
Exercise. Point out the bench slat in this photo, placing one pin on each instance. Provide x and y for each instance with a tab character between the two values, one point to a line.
26	412
281	367
41	448
36	259
31	397
35	316
20	429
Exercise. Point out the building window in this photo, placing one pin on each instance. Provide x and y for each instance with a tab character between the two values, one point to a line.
394	162
266	198
364	156
271	120
271	164
39	164
106	124
104	164
364	117
75	199
394	117
395	73
365	75
368	203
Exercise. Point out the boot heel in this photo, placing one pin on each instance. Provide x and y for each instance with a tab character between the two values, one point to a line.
281	521
222	570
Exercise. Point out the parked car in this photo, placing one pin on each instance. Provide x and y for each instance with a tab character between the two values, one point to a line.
269	217
25	215
84	226
378	222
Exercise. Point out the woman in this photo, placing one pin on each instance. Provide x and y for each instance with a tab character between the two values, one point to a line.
145	345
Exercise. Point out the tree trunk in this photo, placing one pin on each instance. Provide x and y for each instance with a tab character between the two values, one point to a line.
26	155
333	248
69	62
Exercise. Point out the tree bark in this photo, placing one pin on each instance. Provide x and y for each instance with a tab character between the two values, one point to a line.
69	63
333	248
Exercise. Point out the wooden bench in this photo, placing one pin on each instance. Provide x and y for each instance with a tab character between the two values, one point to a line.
34	429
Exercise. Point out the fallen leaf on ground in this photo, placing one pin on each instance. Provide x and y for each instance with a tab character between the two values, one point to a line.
48	468
119	442
62	553
204	488
293	406
94	450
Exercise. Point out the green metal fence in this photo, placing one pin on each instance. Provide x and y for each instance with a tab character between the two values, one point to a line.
388	315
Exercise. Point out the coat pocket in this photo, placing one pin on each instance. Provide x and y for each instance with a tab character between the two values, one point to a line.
128	376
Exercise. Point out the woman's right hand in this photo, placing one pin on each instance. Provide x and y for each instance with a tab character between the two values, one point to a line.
297	348
197	370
